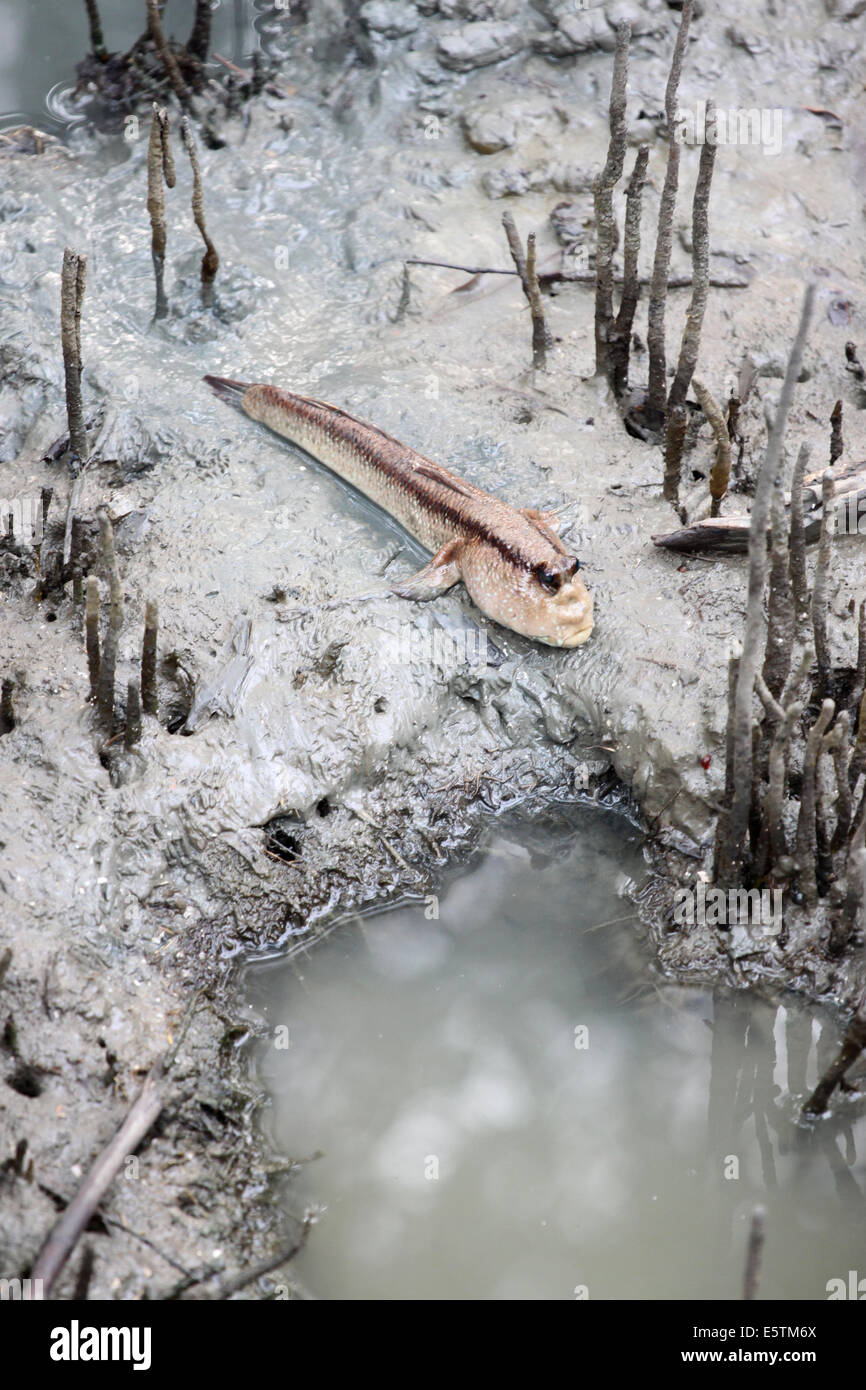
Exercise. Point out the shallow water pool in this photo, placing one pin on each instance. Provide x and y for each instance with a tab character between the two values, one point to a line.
507	1105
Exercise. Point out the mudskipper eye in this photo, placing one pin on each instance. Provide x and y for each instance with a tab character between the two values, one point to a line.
550	580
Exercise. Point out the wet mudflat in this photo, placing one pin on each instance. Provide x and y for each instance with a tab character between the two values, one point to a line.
334	758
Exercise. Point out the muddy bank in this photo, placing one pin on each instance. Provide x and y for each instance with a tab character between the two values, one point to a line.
335	755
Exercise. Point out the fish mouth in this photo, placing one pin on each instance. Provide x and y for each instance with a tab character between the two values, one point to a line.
573	617
577	639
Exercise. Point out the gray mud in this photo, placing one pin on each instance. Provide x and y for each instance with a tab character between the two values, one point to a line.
333	759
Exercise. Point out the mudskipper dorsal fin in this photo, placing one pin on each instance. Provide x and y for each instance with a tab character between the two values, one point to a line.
440	475
547	524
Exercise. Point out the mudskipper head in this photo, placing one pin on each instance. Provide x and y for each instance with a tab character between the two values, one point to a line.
562	609
546	600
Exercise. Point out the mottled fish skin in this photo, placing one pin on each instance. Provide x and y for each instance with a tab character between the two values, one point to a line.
513	564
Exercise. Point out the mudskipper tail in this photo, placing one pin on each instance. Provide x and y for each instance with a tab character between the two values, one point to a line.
227	389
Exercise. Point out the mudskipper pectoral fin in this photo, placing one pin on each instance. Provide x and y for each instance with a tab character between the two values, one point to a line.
435	578
548	524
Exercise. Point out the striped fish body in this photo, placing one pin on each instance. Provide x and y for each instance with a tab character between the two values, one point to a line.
512	562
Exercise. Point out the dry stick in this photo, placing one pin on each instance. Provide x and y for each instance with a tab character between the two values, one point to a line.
836	444
198	42
540	334
148	660
620	346
797	544
97	43
132	734
853	1044
675	436
819	588
282	1257
584	277
140	1119
732	857
691	340
664	239
210	260
753	1255
72	285
159	167
115	619
780	603
720	474
805	843
605	225
91	627
169	62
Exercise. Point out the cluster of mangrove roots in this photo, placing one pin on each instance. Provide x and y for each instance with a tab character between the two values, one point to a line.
794	814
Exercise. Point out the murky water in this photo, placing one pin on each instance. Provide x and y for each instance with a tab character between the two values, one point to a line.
41	41
506	1108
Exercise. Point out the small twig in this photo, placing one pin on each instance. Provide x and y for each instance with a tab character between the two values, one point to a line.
657	386
467	269
140	1119
210	260
395	855
72	286
691	339
584	277
282	1257
605	224
753	1255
